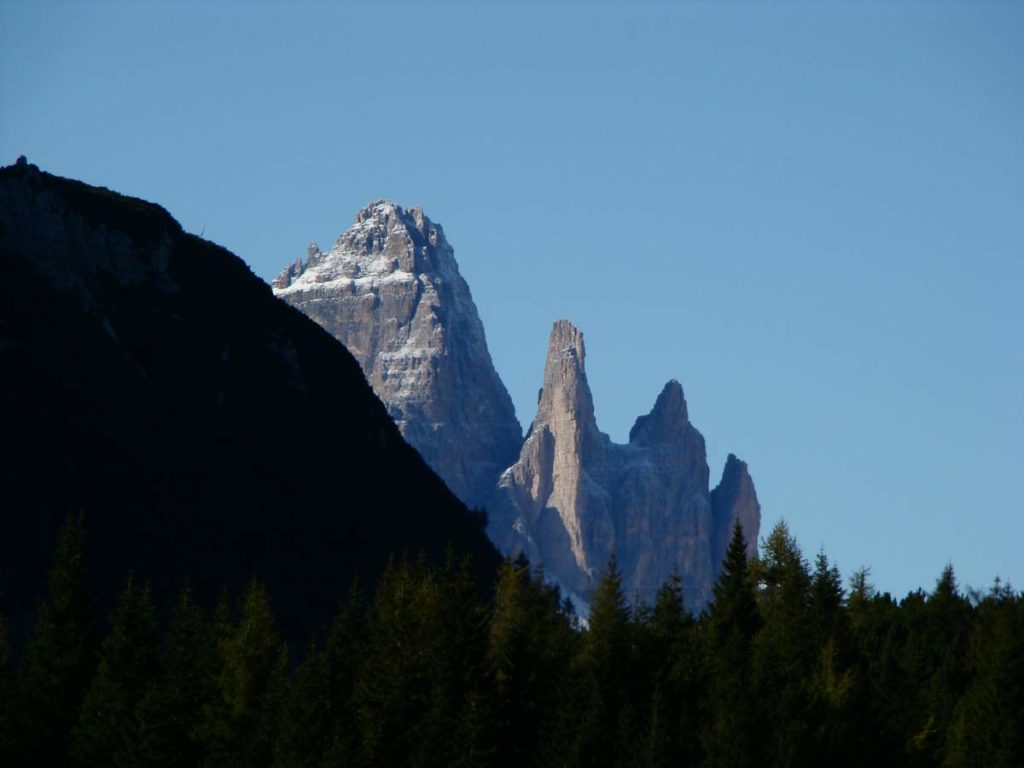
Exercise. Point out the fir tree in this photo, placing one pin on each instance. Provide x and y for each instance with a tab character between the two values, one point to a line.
253	667
319	724
835	727
171	716
607	659
732	738
784	651
673	664
529	644
827	600
880	686
7	701
988	727
937	647
396	688
61	658
108	730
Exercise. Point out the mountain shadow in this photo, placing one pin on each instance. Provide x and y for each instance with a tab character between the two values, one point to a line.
208	432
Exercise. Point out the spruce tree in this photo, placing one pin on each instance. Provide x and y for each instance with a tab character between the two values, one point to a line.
171	716
420	677
7	701
609	717
880	686
672	661
732	738
938	646
396	688
251	685
988	725
827	598
784	651
319	726
61	657
835	726
108	730
530	644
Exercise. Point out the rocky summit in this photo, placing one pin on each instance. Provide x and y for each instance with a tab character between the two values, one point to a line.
567	497
390	291
574	498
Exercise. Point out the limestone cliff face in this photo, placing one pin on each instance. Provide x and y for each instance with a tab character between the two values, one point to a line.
390	291
548	504
573	498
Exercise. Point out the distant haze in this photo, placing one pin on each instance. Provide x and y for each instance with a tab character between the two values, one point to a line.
809	216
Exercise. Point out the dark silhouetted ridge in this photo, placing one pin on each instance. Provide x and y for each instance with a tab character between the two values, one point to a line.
209	432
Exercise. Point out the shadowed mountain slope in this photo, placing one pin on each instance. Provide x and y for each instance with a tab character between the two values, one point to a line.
209	432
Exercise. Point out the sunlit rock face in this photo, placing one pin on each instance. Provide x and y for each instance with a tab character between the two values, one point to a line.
567	496
574	497
391	292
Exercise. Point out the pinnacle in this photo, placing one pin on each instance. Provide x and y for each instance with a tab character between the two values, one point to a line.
566	338
379	209
668	418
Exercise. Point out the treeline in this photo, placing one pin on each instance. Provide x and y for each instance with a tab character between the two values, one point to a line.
785	667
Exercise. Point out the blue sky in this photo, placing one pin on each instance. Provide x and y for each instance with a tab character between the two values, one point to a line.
811	214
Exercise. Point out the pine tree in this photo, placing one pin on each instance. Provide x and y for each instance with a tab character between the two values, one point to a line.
835	726
732	738
396	688
988	726
251	686
784	652
606	658
171	716
459	705
61	657
827	599
938	645
880	686
529	646
319	726
421	672
7	701
671	659
108	730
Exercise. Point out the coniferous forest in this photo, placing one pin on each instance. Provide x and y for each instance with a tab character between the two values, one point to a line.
787	666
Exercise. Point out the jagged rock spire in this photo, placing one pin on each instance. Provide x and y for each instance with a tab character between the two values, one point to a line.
573	498
667	420
735	500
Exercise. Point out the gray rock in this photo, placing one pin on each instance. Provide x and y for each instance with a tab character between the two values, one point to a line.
574	497
390	291
735	500
567	496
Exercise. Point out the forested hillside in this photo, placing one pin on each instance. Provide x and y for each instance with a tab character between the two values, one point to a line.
786	668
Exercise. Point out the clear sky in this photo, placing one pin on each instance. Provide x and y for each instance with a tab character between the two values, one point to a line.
811	214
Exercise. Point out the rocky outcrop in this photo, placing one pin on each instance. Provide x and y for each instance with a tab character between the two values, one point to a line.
391	292
574	497
735	500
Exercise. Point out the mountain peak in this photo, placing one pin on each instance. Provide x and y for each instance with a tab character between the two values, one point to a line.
390	290
735	500
566	340
379	209
668	419
385	240
566	393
